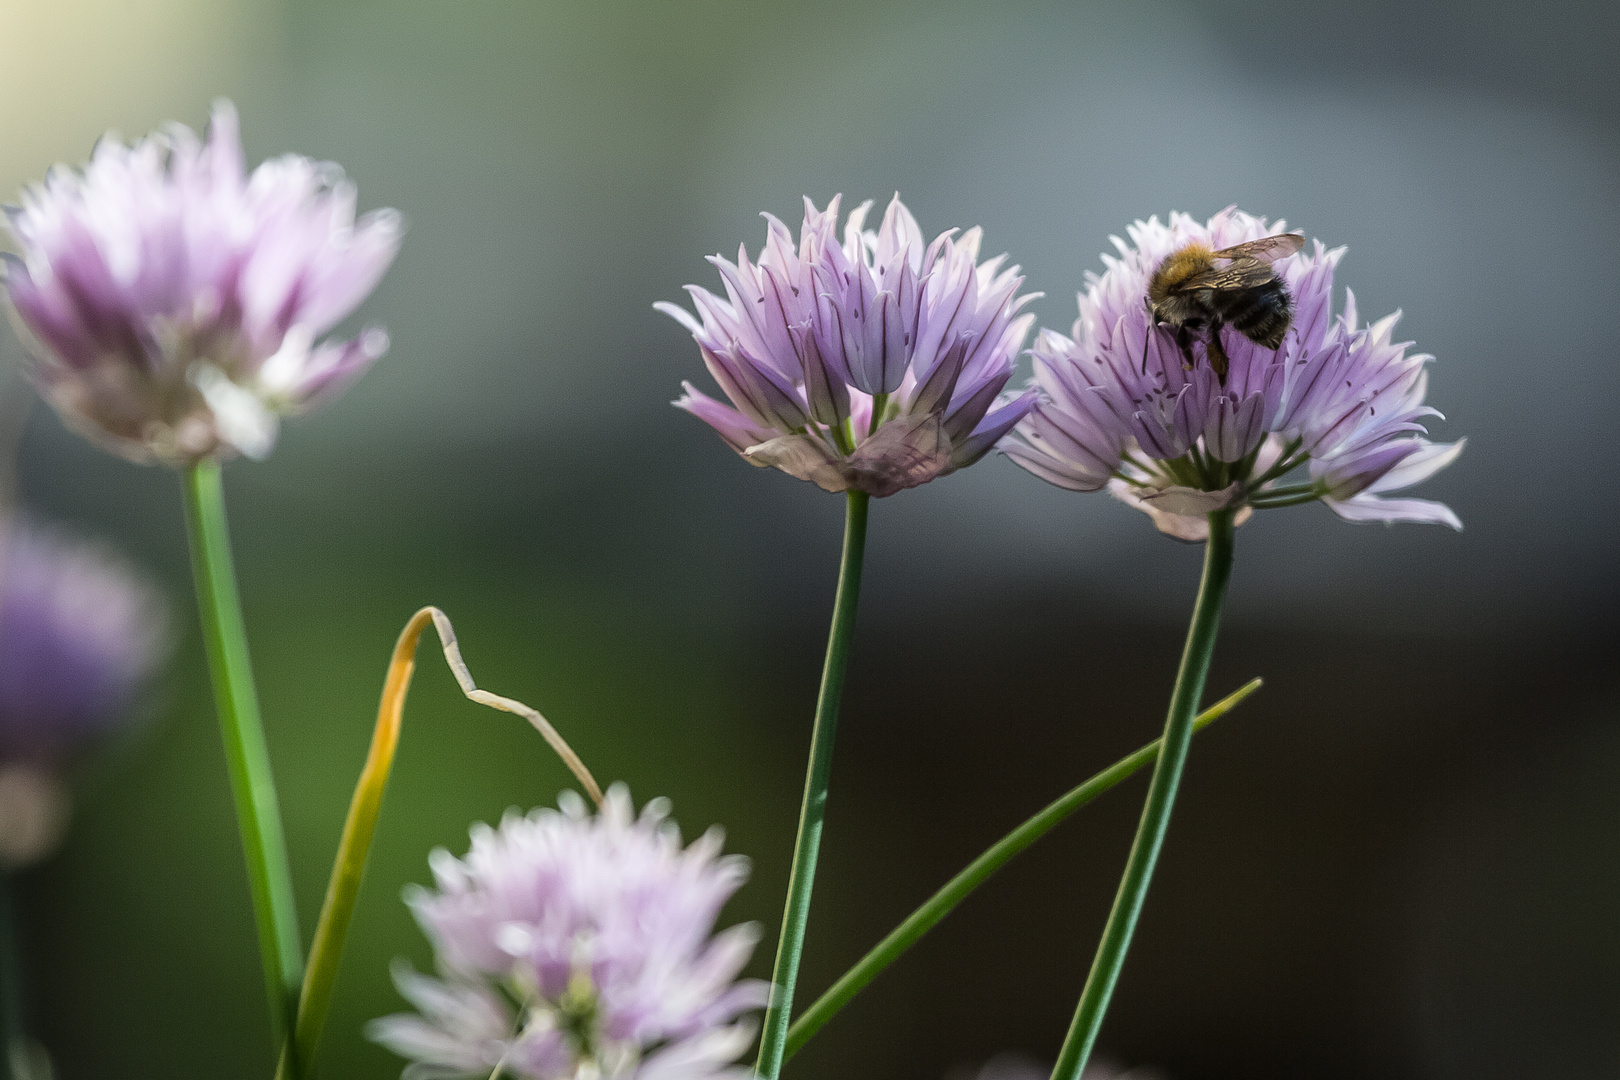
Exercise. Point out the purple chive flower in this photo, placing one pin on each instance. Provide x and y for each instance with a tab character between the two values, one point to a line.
1119	409
573	945
873	365
79	632
171	302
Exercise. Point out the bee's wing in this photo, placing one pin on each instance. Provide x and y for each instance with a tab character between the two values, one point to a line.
1242	273
1266	250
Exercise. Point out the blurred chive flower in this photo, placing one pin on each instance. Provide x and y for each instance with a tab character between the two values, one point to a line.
1119	409
573	945
171	302
873	365
79	632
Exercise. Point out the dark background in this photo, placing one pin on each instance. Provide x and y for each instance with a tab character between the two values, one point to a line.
1402	859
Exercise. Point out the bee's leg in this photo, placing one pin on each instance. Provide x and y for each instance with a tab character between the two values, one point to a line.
1218	360
1184	339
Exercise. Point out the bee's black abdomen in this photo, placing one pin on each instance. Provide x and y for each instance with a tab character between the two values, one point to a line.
1260	313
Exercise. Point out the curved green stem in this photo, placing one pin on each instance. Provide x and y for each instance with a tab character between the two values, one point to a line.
773	1040
1178	730
258	813
349	868
1000	853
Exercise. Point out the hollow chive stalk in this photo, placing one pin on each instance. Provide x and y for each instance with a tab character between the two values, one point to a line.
258	814
1161	798
976	873
773	1039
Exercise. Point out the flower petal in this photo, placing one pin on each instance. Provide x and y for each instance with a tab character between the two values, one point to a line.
1370	507
905	452
1172	516
805	457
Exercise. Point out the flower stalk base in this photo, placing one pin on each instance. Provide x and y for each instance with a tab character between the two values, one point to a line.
247	758
919	922
1178	732
773	1040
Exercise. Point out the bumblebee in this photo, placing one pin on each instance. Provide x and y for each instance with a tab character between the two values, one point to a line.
1193	295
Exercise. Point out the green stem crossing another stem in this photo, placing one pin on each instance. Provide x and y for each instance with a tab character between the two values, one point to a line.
773	1039
977	872
247	758
1178	731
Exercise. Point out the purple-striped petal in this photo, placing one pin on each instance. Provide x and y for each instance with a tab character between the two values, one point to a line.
931	332
1349	396
606	921
160	268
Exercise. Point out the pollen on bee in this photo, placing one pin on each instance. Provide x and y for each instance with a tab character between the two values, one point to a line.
1182	264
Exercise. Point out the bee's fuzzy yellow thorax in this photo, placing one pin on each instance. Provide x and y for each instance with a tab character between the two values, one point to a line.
1179	266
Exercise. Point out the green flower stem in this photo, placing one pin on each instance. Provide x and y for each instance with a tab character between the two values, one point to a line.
1297	500
1288	491
1289	460
773	1040
1271	500
956	890
257	812
11	1007
1178	730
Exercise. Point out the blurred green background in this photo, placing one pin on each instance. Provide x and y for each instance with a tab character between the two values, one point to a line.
1402	859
